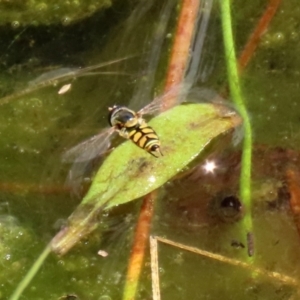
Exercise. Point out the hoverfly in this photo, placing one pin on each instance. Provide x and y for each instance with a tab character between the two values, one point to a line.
131	125
128	124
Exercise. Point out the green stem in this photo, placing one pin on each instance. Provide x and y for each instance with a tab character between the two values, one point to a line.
30	274
236	94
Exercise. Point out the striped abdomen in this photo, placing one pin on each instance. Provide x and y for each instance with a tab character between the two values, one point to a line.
146	138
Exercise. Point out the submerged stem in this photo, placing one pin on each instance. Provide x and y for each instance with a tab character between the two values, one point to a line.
30	274
139	246
186	25
236	93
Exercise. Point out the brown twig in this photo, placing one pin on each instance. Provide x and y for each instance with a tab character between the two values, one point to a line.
259	30
154	268
21	188
139	246
175	74
182	45
274	275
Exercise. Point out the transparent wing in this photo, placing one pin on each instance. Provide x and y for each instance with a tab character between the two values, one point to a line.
175	95
90	148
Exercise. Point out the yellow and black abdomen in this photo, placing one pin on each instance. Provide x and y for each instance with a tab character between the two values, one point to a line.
146	138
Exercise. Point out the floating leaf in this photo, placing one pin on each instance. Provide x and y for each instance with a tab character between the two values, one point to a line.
130	172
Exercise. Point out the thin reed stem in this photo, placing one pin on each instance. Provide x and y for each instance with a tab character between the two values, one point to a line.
236	94
30	274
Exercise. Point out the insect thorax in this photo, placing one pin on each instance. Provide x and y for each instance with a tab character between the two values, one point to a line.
121	116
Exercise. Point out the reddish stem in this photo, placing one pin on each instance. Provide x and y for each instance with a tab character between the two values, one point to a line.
15	188
181	47
140	243
175	74
259	30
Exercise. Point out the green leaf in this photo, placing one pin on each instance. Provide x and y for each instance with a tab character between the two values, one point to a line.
130	172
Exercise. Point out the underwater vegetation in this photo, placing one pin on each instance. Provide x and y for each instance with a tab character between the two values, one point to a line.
36	13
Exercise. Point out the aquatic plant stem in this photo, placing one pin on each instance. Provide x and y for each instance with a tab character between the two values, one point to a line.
30	274
179	58
236	94
282	278
180	54
258	31
139	245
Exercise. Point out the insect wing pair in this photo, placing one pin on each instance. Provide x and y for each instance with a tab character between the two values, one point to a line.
99	143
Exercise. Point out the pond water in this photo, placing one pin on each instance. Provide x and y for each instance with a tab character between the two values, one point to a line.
39	121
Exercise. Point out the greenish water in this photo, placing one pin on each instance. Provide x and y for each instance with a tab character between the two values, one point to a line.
38	127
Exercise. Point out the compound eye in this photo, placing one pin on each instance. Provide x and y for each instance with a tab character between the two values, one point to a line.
154	147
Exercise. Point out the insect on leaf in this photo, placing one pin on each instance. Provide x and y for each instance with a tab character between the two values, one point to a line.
130	172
